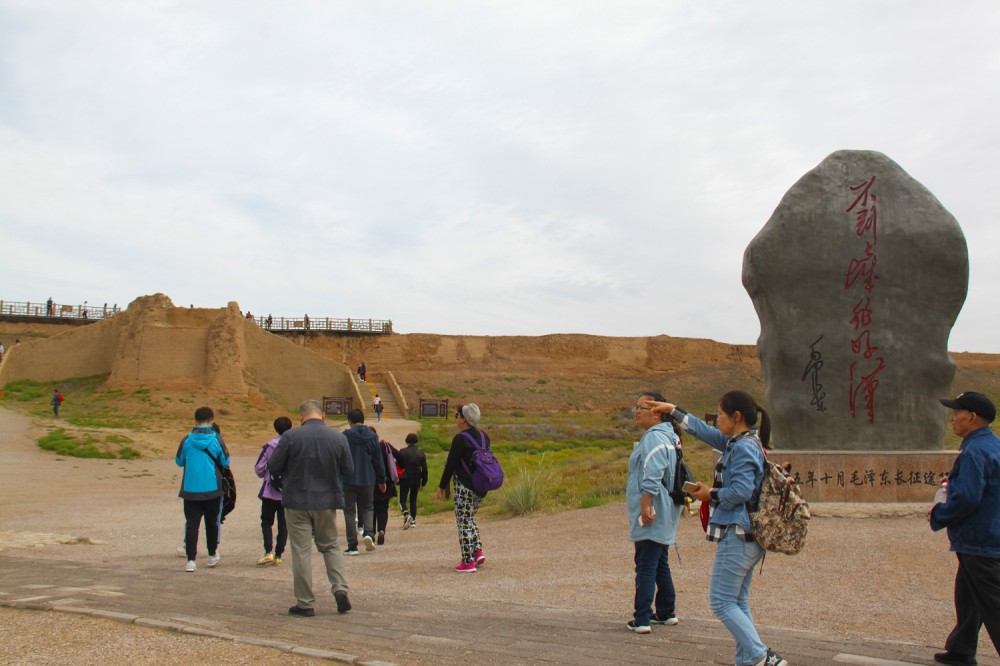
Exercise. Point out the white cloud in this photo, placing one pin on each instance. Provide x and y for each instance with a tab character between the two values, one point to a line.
488	167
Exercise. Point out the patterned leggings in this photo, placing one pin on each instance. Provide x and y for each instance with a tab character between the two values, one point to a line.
466	505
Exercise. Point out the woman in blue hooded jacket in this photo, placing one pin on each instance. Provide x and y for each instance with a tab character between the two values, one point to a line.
201	485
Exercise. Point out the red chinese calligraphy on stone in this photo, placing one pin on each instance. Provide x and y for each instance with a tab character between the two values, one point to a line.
866	214
857	346
862	312
865	385
864	194
863	268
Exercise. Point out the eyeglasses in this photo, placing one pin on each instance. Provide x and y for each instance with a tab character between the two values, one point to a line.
636	410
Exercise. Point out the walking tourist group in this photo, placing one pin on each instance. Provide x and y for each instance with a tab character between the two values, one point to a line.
311	471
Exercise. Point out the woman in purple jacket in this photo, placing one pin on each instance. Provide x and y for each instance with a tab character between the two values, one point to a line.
270	499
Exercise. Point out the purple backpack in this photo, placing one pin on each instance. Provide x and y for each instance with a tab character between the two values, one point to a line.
485	471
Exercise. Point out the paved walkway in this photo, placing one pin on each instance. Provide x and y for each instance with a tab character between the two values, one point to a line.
402	629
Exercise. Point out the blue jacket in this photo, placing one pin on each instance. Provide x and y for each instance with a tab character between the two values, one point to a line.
972	511
742	471
201	477
653	461
369	468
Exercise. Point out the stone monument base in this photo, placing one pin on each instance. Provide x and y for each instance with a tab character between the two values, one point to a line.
867	476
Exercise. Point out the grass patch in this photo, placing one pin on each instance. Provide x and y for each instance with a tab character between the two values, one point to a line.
522	495
66	444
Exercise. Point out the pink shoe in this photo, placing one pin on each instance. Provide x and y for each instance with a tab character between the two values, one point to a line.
479	559
466	567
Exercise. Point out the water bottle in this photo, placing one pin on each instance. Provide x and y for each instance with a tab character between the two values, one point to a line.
941	496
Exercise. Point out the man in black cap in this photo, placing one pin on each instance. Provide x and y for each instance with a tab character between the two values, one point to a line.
972	515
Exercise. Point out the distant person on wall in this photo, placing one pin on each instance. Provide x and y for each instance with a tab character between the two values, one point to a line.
57	400
467	501
2	350
50	307
362	372
377	407
971	512
360	483
652	516
270	499
269	321
201	485
380	498
414	478
311	460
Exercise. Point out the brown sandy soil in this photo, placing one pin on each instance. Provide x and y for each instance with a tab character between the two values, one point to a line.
551	373
889	578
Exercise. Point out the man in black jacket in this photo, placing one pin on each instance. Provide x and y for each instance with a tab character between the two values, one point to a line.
310	459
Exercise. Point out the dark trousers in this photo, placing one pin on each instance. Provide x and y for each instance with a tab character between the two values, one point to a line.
381	508
408	496
358	504
269	509
653	582
977	602
194	512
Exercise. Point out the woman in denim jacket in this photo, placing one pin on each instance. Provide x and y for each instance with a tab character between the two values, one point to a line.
736	485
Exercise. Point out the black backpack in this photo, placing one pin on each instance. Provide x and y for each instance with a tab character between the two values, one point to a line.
682	474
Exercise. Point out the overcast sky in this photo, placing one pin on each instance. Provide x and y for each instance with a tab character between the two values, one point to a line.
507	168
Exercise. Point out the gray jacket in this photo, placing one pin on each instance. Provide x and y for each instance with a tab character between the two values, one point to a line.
310	460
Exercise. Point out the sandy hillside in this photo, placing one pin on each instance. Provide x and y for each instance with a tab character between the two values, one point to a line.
216	351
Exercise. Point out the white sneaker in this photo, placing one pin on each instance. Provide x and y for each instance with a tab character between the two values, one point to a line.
182	551
213	560
191	566
369	543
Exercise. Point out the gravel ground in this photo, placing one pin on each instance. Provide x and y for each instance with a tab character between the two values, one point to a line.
889	578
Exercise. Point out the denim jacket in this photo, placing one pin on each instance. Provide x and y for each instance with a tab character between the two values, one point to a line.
972	511
653	460
742	470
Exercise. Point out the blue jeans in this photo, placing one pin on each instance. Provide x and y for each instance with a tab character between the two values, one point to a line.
729	594
653	582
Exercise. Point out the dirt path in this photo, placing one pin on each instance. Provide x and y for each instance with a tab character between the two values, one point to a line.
888	579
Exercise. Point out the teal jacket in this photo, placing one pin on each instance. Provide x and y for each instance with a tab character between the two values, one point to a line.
201	477
651	465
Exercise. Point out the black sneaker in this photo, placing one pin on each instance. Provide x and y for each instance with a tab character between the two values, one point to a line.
351	550
955	659
639	629
669	619
772	659
381	539
301	612
343	603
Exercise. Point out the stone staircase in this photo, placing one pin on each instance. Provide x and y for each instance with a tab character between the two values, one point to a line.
390	408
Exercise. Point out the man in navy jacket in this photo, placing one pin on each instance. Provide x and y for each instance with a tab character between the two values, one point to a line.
972	516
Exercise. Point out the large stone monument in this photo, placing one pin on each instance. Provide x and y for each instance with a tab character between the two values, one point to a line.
857	279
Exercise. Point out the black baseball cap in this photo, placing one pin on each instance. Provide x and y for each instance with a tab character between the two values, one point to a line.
970	401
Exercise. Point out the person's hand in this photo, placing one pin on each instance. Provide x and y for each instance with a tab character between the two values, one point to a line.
439	493
702	492
659	407
381	487
421	489
647	515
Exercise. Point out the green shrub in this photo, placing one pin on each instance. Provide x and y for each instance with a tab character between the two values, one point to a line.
128	453
523	494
